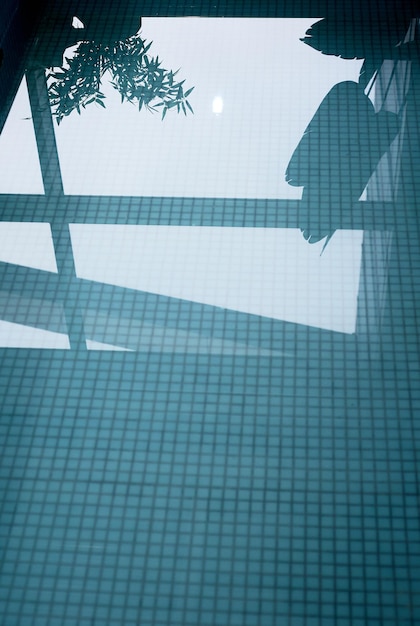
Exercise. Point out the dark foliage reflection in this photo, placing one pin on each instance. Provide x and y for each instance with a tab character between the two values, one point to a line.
138	77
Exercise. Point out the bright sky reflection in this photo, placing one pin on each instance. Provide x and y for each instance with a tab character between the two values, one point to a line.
242	153
29	244
271	272
271	87
19	161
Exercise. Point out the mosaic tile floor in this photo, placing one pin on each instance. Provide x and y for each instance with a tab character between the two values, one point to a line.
209	332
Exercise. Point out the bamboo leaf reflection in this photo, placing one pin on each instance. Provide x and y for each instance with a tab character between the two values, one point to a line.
139	79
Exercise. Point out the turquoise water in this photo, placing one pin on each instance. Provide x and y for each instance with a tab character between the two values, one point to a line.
209	326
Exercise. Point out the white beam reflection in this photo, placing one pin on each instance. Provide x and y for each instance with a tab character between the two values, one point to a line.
104	347
272	82
137	335
20	336
271	272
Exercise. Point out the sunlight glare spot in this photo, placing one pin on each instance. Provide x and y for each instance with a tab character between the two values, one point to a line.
217	106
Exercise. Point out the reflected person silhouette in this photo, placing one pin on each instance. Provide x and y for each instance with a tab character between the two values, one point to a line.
346	138
337	154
